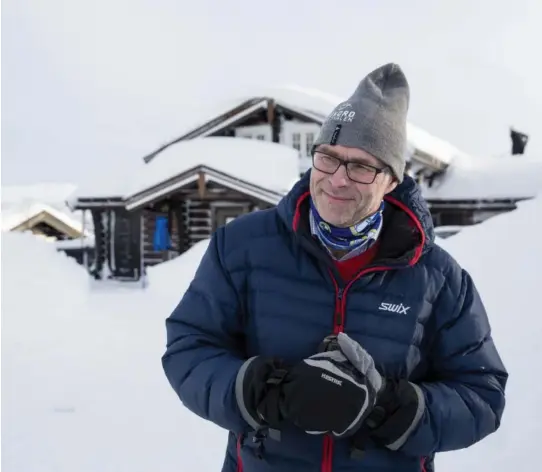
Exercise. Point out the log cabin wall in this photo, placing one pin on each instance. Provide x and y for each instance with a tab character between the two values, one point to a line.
198	221
203	214
117	246
124	240
167	209
193	216
125	247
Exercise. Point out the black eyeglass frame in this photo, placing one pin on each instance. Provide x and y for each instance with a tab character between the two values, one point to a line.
341	162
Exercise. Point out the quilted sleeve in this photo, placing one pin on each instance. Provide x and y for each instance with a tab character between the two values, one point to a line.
204	352
465	399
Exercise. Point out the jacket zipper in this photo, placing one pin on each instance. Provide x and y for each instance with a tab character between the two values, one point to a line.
338	322
338	327
422	464
239	460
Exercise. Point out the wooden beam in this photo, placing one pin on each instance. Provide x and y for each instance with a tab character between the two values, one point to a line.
201	185
181	227
270	111
273	118
209	197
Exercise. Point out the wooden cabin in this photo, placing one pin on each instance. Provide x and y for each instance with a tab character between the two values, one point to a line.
293	116
181	199
192	185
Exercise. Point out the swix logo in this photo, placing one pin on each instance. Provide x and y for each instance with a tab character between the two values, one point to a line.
401	309
329	378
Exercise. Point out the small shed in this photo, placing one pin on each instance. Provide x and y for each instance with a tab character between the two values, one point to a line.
42	220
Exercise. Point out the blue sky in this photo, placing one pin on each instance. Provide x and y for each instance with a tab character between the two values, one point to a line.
90	85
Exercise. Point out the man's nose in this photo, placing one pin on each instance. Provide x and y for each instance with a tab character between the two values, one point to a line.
339	178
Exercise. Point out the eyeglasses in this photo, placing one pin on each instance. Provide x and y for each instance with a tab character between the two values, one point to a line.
356	171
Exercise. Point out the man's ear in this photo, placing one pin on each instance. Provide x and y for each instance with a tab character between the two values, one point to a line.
391	185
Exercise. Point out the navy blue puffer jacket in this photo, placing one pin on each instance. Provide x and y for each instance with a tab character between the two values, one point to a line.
266	287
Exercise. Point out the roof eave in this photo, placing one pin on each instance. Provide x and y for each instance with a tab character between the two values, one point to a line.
140	199
89	202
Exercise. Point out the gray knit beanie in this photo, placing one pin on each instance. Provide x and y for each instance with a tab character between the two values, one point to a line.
373	118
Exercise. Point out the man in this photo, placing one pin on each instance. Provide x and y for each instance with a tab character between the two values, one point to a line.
331	333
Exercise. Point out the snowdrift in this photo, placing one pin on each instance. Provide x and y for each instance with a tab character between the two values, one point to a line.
171	279
82	384
504	256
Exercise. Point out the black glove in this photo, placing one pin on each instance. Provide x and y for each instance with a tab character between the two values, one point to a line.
258	390
398	410
332	391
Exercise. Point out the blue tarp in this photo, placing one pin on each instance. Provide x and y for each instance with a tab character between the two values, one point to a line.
161	241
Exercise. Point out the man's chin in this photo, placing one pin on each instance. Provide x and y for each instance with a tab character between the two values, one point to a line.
334	219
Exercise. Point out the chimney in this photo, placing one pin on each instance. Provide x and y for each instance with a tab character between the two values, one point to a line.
519	141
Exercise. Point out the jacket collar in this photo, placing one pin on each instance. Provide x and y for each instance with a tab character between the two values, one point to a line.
408	206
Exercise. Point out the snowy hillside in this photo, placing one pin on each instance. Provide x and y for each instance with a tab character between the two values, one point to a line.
83	387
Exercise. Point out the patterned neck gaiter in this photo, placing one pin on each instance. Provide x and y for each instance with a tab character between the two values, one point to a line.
360	236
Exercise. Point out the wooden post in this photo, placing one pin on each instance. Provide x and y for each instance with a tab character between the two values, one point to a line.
201	185
273	120
84	249
270	111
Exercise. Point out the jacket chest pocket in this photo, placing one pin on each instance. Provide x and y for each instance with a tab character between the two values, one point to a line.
390	327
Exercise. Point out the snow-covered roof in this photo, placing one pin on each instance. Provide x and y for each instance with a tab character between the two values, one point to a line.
321	104
268	165
308	101
22	202
510	177
18	214
316	105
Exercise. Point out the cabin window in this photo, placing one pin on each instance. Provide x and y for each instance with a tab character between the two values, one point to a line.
296	141
308	143
258	132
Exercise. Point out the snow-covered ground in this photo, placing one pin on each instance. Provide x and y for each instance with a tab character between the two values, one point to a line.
504	256
83	387
82	384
